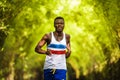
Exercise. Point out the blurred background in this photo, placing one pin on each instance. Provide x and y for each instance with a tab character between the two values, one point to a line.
94	26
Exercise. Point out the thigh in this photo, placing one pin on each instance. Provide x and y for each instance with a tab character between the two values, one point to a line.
48	74
60	74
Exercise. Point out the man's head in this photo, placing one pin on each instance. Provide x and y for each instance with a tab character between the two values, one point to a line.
59	24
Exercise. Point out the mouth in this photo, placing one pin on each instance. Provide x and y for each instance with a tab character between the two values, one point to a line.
59	28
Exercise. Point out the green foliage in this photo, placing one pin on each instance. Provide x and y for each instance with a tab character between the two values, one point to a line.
93	25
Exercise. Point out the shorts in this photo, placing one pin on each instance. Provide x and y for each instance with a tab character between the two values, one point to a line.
55	74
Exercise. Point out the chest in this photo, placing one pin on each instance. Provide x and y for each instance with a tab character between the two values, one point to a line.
58	38
55	39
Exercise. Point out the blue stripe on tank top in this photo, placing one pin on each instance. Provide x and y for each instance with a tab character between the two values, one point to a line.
58	46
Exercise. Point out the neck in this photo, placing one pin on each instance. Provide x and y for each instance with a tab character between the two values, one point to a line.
59	33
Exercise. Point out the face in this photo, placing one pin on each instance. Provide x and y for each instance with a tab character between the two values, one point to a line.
59	25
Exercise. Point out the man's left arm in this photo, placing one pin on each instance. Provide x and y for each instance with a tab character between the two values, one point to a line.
68	46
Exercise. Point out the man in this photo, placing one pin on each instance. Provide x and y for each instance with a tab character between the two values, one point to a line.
58	49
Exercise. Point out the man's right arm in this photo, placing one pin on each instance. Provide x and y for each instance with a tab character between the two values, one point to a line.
41	43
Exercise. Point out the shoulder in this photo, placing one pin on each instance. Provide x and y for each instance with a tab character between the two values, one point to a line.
67	38
47	36
67	35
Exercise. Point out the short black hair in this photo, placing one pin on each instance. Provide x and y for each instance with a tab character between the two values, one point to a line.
59	17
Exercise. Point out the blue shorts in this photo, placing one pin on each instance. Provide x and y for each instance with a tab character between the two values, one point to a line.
55	74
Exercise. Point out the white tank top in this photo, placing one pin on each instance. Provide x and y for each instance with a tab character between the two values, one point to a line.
57	59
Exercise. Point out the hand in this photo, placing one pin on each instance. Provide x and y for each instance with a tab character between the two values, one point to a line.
68	54
68	51
48	52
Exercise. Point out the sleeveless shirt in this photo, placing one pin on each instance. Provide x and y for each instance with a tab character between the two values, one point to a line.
57	60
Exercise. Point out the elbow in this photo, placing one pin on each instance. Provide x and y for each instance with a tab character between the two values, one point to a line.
36	49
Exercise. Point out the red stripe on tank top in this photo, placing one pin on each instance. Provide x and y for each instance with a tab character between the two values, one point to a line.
58	52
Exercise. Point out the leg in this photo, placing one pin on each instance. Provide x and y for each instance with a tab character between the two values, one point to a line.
48	75
60	74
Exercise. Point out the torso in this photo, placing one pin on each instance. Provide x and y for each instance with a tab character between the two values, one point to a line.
57	46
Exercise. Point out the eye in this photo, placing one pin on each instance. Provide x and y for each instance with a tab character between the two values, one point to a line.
59	23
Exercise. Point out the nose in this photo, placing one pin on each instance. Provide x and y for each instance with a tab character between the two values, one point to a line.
59	24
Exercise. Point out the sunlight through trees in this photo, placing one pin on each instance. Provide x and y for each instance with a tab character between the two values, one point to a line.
94	26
